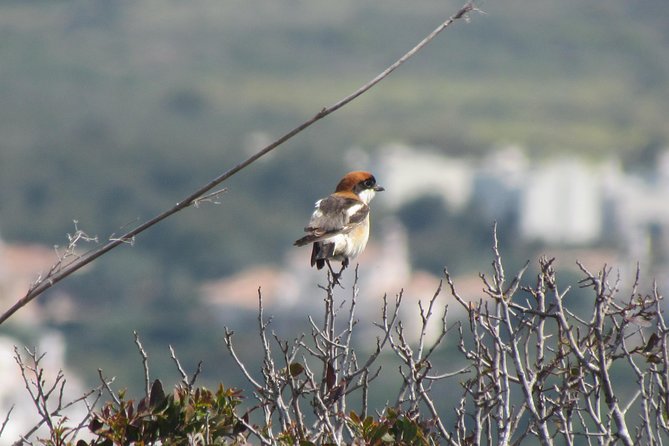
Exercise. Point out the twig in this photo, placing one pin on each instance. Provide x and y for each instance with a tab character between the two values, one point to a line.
4	423
189	383
227	339
252	429
106	384
182	372
42	396
145	364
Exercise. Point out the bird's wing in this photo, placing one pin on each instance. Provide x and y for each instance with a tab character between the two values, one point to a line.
334	215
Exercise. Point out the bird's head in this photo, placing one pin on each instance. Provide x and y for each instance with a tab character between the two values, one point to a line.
363	184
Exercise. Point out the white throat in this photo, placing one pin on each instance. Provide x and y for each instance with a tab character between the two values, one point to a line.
367	195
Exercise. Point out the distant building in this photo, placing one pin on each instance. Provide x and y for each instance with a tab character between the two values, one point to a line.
20	266
499	182
413	173
561	203
565	201
639	212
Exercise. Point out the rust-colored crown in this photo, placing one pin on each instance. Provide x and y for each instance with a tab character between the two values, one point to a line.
351	179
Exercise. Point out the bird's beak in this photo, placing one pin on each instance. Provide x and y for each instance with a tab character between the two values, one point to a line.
378	188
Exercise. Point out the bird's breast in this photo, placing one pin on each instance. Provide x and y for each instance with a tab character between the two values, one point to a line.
352	243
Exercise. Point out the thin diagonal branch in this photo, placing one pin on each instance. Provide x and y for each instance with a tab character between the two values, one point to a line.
59	274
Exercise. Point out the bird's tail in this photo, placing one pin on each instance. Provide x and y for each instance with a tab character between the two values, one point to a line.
320	253
306	240
313	235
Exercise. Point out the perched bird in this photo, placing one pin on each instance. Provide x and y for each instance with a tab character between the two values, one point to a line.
339	226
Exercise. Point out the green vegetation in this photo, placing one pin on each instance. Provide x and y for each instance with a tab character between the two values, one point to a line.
112	111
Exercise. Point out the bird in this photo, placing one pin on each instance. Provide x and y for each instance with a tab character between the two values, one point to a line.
339	225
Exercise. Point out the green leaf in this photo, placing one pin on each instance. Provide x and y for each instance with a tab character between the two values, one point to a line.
409	430
388	438
157	394
369	421
378	434
295	369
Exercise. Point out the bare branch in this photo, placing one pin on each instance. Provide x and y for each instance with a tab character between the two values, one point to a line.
145	365
106	385
45	397
4	423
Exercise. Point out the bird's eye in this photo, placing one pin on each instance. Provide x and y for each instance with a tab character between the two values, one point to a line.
369	183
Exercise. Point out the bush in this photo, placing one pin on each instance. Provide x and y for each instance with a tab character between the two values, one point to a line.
533	371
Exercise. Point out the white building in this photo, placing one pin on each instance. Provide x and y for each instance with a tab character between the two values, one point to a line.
561	203
408	174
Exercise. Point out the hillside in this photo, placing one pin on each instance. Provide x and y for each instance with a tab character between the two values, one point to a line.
111	111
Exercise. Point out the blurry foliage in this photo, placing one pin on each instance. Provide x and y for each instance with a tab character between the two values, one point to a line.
431	223
112	111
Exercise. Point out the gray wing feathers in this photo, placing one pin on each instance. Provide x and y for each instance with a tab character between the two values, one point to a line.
333	215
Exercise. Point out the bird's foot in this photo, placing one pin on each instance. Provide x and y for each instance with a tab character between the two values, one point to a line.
337	276
335	279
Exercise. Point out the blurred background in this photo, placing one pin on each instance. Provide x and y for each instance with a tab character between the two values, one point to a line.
547	117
